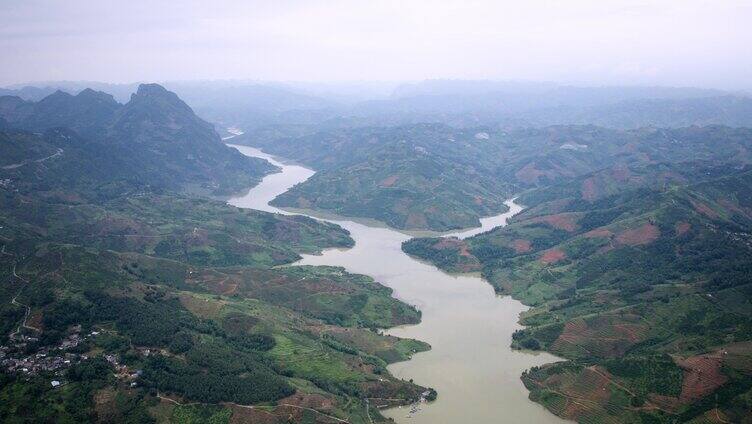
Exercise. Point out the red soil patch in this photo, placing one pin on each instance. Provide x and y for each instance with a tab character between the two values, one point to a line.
704	209
35	319
667	403
585	392
591	385
682	227
599	233
645	234
528	174
314	401
226	285
448	243
389	181
522	246
470	262
588	189
453	244
604	336
702	376
566	222
478	200
592	382
241	415
603	298
552	256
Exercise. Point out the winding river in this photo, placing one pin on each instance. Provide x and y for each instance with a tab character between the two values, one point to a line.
469	327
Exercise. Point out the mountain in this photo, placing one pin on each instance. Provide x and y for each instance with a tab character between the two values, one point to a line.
165	143
733	111
547	92
29	93
254	106
87	113
639	278
224	103
247	105
132	291
435	177
411	177
523	105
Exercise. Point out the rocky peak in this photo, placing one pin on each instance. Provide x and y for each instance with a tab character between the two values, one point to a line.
89	95
157	115
160	96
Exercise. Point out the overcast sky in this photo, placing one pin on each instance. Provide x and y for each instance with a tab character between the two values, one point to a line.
680	42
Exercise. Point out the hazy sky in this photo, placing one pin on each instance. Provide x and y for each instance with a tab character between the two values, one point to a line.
680	42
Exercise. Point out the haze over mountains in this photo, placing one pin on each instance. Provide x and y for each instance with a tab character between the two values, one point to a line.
633	250
376	212
460	103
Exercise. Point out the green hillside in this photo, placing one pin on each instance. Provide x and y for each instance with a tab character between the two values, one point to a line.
125	287
434	177
640	278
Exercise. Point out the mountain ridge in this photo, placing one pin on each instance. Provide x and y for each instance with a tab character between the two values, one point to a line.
191	153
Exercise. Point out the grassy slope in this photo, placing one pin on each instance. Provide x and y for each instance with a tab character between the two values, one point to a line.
194	279
642	288
407	177
439	178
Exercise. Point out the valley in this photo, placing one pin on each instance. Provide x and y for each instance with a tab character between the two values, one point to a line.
470	362
416	289
376	212
130	297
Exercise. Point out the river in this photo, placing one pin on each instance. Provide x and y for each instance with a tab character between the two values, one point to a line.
469	327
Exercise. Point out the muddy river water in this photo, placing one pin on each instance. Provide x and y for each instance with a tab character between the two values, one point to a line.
469	327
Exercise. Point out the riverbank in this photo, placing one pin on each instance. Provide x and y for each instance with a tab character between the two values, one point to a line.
471	363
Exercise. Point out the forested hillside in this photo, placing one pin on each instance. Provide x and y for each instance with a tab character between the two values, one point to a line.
639	277
128	298
153	139
435	177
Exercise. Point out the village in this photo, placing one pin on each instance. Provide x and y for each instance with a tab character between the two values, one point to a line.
53	361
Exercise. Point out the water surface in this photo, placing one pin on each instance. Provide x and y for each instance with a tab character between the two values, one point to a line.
469	327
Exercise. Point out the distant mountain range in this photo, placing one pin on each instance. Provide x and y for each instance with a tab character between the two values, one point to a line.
255	105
